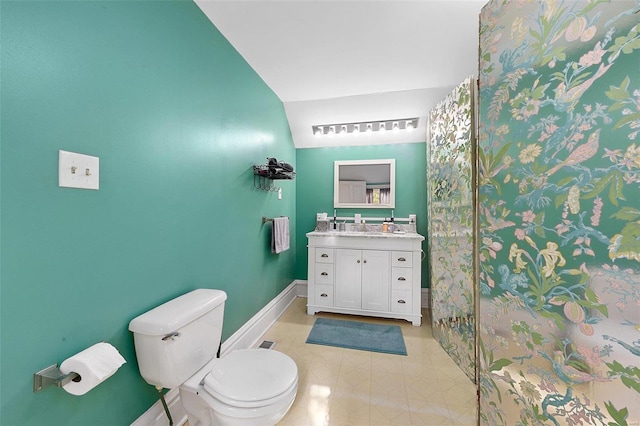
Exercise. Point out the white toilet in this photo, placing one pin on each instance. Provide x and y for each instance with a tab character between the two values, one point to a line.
176	345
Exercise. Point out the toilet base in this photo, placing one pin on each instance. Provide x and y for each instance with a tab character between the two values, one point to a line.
203	409
197	404
198	414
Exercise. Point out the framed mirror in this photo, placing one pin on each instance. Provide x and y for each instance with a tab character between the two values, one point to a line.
364	184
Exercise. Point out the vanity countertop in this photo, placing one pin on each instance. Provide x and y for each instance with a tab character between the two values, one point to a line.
373	234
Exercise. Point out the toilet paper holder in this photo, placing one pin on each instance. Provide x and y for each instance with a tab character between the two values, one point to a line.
52	376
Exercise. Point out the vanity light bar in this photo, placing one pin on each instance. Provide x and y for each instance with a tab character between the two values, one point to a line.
368	127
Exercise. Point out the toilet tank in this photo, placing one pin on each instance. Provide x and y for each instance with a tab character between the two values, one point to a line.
174	340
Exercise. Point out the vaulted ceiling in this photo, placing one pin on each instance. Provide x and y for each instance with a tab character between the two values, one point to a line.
336	62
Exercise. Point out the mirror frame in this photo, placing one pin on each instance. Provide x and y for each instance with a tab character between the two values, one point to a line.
392	183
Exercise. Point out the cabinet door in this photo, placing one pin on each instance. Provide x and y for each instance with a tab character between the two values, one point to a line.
375	280
348	277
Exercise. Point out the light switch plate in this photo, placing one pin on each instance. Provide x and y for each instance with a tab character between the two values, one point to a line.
78	170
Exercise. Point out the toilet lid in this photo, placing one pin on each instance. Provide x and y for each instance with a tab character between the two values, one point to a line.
251	377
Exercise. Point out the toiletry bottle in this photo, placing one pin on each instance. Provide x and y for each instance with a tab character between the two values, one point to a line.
385	227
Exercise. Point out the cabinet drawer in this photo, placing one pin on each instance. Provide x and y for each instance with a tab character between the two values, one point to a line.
401	258
323	295
324	255
401	278
324	273
401	302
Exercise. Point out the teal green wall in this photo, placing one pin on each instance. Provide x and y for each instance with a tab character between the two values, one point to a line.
177	118
314	183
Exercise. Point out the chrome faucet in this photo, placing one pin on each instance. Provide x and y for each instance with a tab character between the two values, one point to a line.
364	226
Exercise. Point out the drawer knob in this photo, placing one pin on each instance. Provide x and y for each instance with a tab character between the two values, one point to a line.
402	279
402	259
324	295
324	255
365	261
401	301
358	261
324	274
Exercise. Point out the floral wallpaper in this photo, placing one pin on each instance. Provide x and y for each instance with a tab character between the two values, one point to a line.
559	213
449	159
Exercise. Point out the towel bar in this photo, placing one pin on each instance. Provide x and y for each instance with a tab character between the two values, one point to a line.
267	219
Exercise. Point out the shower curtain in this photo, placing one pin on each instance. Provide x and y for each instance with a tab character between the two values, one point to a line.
559	213
450	145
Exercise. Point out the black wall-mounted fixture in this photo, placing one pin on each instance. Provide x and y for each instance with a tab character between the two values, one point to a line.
271	170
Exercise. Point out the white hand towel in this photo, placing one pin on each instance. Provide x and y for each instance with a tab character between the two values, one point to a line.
280	235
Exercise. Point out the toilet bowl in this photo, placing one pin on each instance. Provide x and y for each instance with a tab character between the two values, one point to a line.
176	345
247	387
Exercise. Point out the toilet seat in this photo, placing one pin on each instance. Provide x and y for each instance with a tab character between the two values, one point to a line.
251	378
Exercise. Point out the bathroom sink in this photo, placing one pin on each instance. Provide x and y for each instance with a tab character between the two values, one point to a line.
364	233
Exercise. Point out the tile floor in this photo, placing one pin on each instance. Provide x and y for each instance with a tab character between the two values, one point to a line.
348	387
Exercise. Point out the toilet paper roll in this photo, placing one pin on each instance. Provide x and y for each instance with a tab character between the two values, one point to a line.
94	365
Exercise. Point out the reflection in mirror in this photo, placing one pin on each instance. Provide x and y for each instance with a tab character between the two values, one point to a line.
364	184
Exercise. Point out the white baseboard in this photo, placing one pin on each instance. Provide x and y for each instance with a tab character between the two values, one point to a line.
246	337
155	416
249	334
301	288
424	298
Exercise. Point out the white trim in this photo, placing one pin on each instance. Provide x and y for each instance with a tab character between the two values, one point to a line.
301	288
424	297
246	337
155	416
392	183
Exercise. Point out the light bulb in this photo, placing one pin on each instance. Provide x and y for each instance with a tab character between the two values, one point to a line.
331	131
396	128
356	128
343	130
318	132
369	129
409	126
382	127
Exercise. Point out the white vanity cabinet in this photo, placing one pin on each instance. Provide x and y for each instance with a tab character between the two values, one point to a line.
374	274
362	279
